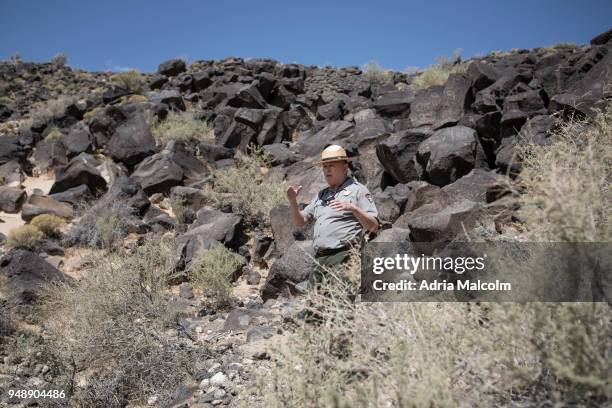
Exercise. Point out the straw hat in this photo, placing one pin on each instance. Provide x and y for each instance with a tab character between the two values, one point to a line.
333	153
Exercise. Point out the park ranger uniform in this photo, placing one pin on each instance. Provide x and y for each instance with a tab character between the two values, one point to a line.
335	232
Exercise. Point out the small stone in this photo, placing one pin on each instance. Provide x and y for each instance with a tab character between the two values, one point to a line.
219	379
217	402
220	393
152	400
205	383
198	329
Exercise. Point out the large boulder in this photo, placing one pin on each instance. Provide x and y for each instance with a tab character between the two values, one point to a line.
283	230
292	268
395	103
456	99
37	205
82	169
75	196
334	133
24	274
172	67
47	155
479	186
11	199
132	141
11	149
448	154
424	109
440	221
397	154
212	227
368	126
158	174
169	97
77	141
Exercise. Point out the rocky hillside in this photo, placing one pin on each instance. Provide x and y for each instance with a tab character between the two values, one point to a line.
130	157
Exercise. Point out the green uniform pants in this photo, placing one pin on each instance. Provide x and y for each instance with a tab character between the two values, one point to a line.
328	261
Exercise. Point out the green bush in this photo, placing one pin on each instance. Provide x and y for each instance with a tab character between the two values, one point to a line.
211	272
25	237
181	126
49	224
131	80
246	188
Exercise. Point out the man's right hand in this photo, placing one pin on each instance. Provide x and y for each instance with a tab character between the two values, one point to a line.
293	192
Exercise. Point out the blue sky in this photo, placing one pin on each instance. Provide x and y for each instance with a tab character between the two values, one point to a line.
115	35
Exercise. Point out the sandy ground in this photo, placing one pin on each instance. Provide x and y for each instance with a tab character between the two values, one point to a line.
11	221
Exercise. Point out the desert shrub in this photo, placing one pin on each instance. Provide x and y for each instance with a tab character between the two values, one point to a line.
437	74
49	224
376	74
54	134
25	237
182	211
567	195
59	60
101	226
131	80
246	188
109	329
211	273
438	354
181	126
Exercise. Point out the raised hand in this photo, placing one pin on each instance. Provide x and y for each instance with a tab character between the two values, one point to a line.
293	192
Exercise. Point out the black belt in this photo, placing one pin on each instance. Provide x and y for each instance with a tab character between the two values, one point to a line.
331	251
334	251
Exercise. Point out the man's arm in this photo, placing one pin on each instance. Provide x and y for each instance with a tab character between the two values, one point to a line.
368	221
296	216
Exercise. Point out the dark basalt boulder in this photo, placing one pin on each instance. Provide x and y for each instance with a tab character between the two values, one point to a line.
397	154
158	174
82	169
24	274
37	205
11	199
447	155
172	67
292	268
132	141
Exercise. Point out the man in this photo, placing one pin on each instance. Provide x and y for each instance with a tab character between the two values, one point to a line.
341	212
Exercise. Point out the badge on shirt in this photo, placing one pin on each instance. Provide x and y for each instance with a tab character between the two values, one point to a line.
346	192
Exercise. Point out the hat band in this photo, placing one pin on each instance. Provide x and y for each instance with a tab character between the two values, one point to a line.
334	158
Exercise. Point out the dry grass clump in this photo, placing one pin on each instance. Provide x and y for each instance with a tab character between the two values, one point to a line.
211	273
48	224
132	80
437	74
439	354
25	237
376	74
567	195
54	134
107	332
181	126
245	188
101	226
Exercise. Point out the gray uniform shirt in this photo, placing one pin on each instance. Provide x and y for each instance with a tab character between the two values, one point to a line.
334	229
